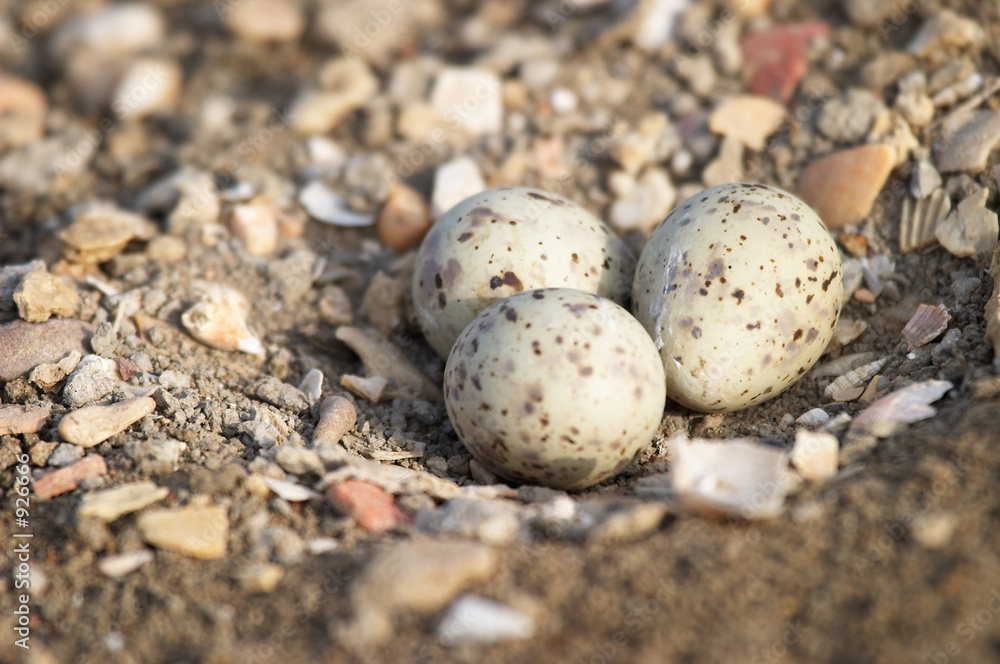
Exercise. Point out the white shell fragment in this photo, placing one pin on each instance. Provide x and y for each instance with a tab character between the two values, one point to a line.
813	418
842	365
290	491
740	288
472	619
739	477
874	269
815	454
920	219
382	358
851	385
971	228
534	387
925	325
505	241
910	404
847	330
218	320
326	205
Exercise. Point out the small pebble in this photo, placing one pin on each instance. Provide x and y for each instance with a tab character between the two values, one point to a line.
933	531
925	180
122	564
261	578
815	454
23	346
93	378
470	99
255	225
22	419
109	504
100	231
472	619
91	425
491	521
403	219
218	320
727	166
265	20
971	228
346	85
148	87
42	295
747	118
648	202
166	249
287	490
842	187
849	117
23	106
337	416
944	30
324	204
69	477
281	394
312	385
65	454
454	181
775	58
370	506
198	532
298	460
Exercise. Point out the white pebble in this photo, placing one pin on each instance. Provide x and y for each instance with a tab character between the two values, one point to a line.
472	619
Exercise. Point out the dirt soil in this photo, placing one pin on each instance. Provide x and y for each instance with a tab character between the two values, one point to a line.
852	571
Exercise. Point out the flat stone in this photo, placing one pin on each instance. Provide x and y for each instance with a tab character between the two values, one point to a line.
69	477
198	532
847	118
100	231
774	59
109	504
93	378
91	425
281	394
324	204
22	419
646	204
747	118
924	180
48	376
869	13
472	619
454	181
42	295
842	187
971	228
969	147
298	460
23	346
23	106
10	280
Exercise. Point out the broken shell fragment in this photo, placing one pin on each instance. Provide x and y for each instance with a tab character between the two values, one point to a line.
847	330
383	358
370	387
813	418
219	320
851	385
920	219
739	477
927	323
971	228
909	404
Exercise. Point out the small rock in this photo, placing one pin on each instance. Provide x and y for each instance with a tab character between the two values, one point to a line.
91	425
945	31
727	166
198	532
455	181
11	277
775	58
298	460
815	454
113	32
371	507
23	106
933	531
100	231
628	524
646	205
166	249
69	477
337	416
40	452
312	385
65	454
174	380
383	303
23	346
416	575
472	619
403	219
255	225
492	521
870	13
653	140
346	85
469	99
335	306
968	148
260	578
287	490
280	394
218	320
122	564
970	229
109	504
849	117
842	187
747	118
148	87
93	378
265	20
48	376
22	419
326	205
652	22
925	179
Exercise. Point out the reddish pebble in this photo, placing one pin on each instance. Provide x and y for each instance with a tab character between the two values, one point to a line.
68	478
21	419
843	186
369	505
775	58
404	218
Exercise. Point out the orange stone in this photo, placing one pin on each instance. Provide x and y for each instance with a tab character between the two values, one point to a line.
403	219
774	59
842	187
69	477
371	507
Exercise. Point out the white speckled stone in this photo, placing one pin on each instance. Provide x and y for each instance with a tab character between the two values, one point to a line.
741	289
508	240
554	386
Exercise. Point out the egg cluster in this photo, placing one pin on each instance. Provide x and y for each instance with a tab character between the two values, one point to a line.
550	380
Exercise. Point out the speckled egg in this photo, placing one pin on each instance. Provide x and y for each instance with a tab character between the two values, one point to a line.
554	386
740	288
509	240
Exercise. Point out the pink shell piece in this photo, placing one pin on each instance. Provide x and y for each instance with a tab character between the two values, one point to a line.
927	323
